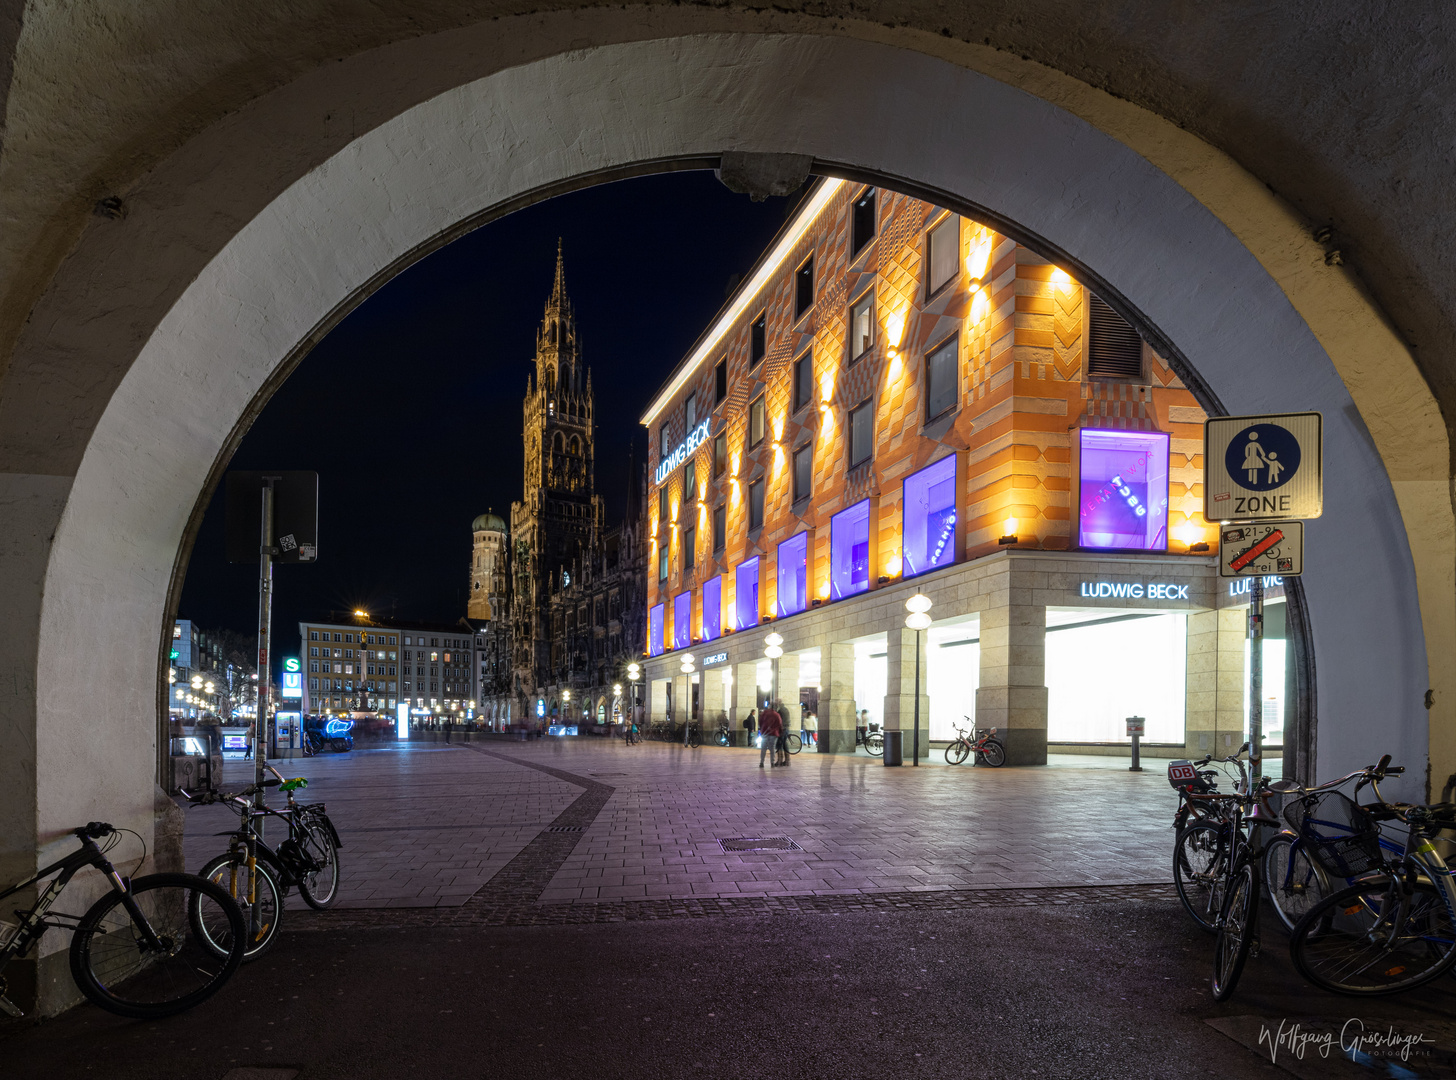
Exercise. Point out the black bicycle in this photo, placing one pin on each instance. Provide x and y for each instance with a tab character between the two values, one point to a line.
152	946
871	738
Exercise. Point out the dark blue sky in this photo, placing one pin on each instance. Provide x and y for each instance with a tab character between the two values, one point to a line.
410	410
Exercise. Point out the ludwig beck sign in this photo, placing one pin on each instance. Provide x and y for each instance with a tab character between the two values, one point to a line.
1263	468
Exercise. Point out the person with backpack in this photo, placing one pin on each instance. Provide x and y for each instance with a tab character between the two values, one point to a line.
750	724
771	727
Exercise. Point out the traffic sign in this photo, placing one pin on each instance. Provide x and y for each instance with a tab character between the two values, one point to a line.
1261	549
1263	468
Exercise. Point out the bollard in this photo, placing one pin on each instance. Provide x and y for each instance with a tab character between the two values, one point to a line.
1135	732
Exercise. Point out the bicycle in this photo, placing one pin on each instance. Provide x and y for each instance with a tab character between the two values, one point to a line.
1238	921
871	738
692	735
633	736
144	950
1201	839
725	736
985	746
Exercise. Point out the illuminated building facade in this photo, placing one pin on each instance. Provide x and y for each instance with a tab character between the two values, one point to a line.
898	399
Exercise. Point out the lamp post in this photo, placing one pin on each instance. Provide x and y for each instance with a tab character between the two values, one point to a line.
773	648
688	669
634	672
918	620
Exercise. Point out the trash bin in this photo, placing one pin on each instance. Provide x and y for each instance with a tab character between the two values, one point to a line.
893	753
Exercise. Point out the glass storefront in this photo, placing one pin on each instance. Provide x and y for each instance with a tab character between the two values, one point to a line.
930	517
871	675
849	551
1102	668
953	669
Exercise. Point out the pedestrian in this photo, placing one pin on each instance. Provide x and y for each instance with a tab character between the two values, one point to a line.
771	728
781	744
811	722
750	723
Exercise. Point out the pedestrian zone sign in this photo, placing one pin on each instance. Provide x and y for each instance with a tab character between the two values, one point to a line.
1263	468
1261	549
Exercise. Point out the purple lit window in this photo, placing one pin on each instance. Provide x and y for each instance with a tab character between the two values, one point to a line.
793	582
654	631
682	620
1123	500
849	551
745	594
713	608
930	517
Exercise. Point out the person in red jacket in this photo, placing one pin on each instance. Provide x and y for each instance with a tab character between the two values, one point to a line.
771	727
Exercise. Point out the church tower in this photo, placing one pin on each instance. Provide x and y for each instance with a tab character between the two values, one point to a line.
559	518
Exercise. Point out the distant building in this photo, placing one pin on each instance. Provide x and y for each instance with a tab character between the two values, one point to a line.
194	653
361	663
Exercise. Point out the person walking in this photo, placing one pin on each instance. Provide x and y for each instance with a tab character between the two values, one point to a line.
781	743
771	727
750	725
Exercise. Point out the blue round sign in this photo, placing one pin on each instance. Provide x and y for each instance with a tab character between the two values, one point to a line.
1262	457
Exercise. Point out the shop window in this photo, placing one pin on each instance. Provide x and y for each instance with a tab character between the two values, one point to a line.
756	425
942	379
745	594
803	380
654	630
849	551
862	326
793	575
804	287
755	505
862	222
682	620
720	381
757	340
713	608
803	472
720	528
720	454
930	517
690	549
1123	493
861	433
944	254
1114	349
1101	671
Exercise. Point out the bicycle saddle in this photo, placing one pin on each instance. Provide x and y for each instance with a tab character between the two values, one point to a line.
294	784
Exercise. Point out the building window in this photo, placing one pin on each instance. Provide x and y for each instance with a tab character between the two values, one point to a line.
803	380
312	635
803	472
942	379
313	665
1114	350
849	551
393	640
720	381
664	444
862	222
1123	496
313	650
804	287
690	412
347	637
745	594
720	527
755	505
944	254
756	421
713	608
662	507
682	620
793	575
757	340
720	454
690	483
689	548
654	630
662	562
862	326
861	433
337	637
929	525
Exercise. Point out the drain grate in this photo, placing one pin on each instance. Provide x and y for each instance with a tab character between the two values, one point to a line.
759	843
565	828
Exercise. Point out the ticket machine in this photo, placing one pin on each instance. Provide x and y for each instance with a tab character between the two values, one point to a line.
286	728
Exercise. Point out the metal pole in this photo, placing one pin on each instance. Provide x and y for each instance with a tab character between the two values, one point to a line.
915	760
1137	765
265	625
1256	678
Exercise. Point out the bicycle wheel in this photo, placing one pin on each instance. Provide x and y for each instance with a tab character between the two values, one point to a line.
1236	928
694	739
793	743
993	753
262	907
116	966
957	752
1199	868
1380	936
1295	883
875	744
319	888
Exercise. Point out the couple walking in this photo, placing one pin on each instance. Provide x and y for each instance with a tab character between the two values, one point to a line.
771	728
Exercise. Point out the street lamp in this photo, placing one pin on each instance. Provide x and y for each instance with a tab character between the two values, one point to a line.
634	672
918	620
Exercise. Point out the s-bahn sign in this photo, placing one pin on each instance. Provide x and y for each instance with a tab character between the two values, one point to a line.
695	439
1263	468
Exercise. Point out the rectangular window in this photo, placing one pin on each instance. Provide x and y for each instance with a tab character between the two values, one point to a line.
313	650
861	433
720	454
803	472
849	551
862	326
312	635
862	222
689	548
756	423
1123	496
804	287
654	631
720	381
943	255
745	594
793	575
720	528
393	640
803	380
929	525
755	505
713	608
662	561
757	340
690	412
690	483
664	443
682	620
942	378
663	510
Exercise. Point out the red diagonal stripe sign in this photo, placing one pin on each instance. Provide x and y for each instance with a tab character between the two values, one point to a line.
1272	540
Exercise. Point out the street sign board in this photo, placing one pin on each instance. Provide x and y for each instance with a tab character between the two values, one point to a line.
295	516
1135	725
1261	549
1263	468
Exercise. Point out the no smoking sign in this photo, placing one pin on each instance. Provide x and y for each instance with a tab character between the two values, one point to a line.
1262	468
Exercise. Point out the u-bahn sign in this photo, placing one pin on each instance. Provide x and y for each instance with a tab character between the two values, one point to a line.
1263	468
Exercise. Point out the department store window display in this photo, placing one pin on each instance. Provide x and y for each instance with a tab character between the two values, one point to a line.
745	594
793	575
849	551
682	620
930	517
654	630
713	608
1123	494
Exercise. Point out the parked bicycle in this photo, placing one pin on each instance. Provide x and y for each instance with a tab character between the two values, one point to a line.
725	735
150	947
1202	836
872	738
985	746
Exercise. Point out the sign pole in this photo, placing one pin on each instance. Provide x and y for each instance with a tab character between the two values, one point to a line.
265	626
1256	677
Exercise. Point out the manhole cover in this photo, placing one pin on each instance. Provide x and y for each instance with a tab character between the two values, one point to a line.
564	828
759	843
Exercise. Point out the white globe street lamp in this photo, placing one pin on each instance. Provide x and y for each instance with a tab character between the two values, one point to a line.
918	620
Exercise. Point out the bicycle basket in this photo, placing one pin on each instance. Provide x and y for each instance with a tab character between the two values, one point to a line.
1340	834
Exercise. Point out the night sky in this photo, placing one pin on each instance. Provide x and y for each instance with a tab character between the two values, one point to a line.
410	410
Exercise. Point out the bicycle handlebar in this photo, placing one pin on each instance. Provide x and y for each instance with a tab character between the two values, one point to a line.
95	830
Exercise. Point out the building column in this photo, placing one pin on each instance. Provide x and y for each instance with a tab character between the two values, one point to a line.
786	689
656	700
682	698
836	698
715	701
1012	696
745	699
1200	717
900	689
1233	628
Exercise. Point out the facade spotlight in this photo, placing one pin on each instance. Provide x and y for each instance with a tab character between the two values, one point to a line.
1010	537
